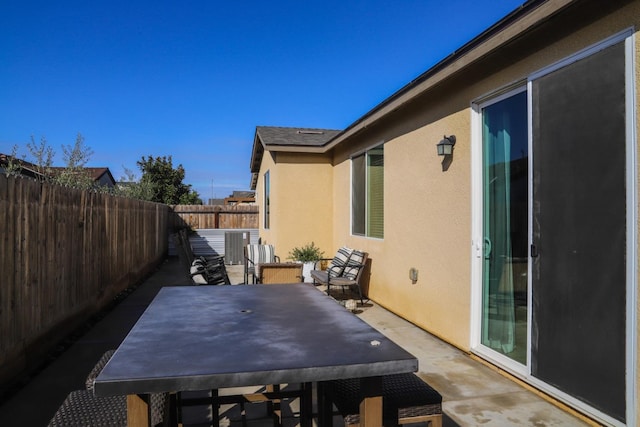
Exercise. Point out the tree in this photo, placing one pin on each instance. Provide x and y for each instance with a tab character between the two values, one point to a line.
12	166
75	157
42	157
165	183
129	186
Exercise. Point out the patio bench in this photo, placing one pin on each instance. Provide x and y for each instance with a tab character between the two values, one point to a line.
405	398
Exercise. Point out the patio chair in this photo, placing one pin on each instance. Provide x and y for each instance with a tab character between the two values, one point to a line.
209	271
280	273
345	270
255	254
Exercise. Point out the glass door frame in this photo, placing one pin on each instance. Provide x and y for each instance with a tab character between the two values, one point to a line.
477	239
477	246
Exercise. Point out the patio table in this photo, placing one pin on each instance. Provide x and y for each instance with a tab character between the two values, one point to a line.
213	337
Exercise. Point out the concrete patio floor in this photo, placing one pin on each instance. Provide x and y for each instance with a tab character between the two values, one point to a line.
473	394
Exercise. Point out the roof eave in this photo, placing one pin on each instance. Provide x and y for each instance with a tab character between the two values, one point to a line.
512	26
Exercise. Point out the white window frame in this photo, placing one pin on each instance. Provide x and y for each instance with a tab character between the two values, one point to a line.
351	213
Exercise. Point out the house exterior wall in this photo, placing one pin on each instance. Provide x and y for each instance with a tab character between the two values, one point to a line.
427	209
427	204
301	201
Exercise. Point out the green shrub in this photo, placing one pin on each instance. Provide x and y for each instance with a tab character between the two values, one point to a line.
309	252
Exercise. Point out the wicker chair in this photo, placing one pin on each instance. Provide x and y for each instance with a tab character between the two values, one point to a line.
280	273
405	399
254	255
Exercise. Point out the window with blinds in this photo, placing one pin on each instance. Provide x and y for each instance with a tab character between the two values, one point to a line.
367	193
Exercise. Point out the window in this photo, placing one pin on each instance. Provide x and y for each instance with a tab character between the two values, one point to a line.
367	193
267	191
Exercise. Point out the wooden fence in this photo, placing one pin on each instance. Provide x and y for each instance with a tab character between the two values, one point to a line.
205	216
64	254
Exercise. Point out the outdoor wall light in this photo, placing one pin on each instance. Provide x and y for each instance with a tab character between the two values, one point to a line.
445	147
413	275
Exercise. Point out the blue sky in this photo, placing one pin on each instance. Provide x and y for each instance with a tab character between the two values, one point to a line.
192	79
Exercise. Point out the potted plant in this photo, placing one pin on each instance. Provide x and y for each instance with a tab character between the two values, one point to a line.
307	255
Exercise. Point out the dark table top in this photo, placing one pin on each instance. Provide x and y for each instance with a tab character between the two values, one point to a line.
208	337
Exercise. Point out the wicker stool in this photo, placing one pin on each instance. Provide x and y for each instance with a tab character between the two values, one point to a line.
405	399
82	408
97	369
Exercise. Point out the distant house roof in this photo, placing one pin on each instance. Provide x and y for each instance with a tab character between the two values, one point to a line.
243	194
273	138
101	176
26	168
239	197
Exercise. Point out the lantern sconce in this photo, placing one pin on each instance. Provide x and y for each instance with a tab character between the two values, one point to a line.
445	147
413	275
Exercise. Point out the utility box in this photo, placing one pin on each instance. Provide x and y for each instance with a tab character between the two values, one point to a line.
234	244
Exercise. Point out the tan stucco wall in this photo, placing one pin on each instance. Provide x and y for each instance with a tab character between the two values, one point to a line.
428	210
427	227
301	201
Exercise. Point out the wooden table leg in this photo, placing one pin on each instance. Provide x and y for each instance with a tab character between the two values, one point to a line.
371	403
137	411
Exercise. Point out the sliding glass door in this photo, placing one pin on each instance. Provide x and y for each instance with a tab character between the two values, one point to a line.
553	233
505	205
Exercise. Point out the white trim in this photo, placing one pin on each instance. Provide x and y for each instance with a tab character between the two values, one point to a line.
529	224
366	149
632	232
476	227
477	242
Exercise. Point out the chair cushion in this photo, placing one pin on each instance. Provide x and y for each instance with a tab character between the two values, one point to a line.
320	276
197	274
199	279
354	265
339	262
260	254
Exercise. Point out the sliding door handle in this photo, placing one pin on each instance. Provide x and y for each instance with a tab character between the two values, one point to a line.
534	251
